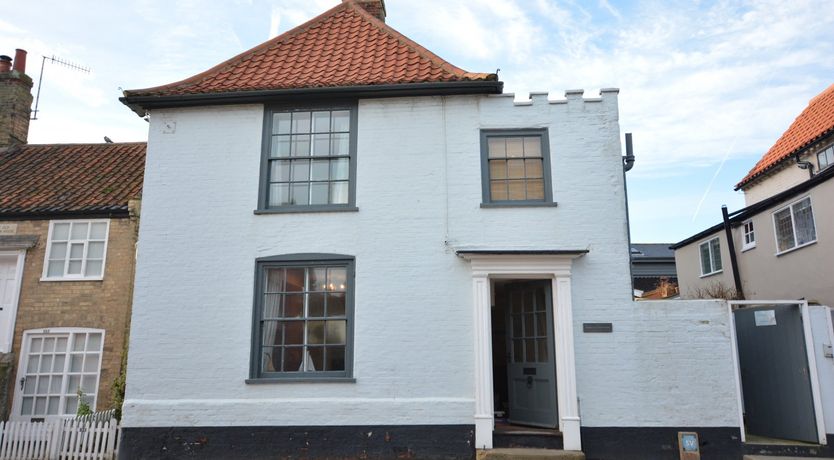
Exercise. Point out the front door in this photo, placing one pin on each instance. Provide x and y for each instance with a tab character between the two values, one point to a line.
530	369
9	285
775	377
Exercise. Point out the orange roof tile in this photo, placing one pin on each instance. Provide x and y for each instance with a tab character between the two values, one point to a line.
345	46
815	121
70	178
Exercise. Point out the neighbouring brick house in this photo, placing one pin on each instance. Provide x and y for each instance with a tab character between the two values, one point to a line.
69	217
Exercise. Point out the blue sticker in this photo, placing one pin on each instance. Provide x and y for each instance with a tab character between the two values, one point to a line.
690	442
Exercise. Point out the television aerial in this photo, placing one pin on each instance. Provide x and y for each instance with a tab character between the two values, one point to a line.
54	60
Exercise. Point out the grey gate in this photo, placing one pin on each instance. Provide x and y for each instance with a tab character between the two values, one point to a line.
530	370
775	373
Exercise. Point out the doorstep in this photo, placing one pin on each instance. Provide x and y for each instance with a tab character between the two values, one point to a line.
529	454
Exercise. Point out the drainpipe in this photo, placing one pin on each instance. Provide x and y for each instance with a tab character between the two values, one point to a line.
628	159
628	163
732	248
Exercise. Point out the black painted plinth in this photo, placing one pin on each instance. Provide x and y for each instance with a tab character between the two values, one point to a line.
429	442
657	443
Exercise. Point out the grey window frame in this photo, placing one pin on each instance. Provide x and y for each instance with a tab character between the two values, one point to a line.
301	260
263	183
542	133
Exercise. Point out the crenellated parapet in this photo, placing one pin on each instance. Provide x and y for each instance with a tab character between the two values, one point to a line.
570	96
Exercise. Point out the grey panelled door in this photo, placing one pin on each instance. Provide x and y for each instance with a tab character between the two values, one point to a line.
775	379
530	370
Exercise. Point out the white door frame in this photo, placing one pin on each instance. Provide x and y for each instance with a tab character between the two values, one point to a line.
809	352
557	268
6	347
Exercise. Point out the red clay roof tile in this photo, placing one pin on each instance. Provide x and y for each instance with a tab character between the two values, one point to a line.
59	178
815	121
345	46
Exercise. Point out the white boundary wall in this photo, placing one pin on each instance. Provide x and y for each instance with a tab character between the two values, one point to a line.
667	363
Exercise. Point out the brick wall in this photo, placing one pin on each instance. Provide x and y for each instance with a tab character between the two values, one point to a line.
15	104
90	304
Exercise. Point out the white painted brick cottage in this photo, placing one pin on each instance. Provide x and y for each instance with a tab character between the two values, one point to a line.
352	248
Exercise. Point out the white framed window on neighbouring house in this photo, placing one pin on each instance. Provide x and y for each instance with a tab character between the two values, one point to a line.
749	236
76	250
710	251
826	157
55	365
794	226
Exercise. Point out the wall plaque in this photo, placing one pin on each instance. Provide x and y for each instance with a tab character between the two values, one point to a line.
597	327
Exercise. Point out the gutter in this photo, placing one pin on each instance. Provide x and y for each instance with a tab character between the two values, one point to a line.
140	104
117	212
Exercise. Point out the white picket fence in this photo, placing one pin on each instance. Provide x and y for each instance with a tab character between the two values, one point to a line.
75	439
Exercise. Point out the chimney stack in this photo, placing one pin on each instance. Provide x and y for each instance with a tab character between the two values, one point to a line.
15	100
375	7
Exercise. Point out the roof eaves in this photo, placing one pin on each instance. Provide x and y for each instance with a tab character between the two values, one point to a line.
140	103
737	217
89	213
752	177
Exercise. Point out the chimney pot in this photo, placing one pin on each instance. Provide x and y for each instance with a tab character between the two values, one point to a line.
5	63
20	60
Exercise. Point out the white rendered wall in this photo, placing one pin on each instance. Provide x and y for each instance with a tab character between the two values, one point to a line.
419	194
667	363
784	178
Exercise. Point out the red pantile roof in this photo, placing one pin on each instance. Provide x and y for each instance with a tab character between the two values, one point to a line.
814	122
345	46
70	178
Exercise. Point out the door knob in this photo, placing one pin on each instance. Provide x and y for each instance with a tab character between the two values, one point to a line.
529	381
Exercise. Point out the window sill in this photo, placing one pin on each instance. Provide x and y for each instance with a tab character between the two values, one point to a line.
52	280
795	248
265	381
707	275
748	247
306	209
521	204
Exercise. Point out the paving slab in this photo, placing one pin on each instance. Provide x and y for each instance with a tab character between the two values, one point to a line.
773	457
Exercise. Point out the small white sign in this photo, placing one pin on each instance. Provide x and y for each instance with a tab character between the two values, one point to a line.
765	317
8	229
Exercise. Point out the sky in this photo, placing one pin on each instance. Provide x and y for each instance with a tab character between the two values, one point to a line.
706	87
